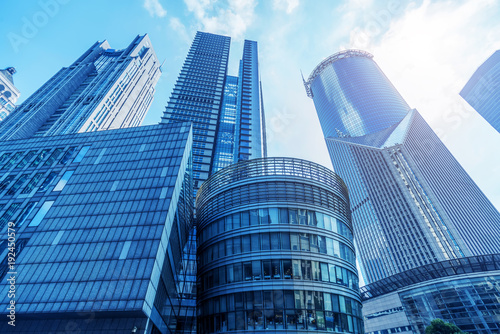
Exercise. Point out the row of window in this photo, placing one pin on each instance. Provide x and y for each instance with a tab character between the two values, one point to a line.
277	309
277	269
268	216
256	242
7	160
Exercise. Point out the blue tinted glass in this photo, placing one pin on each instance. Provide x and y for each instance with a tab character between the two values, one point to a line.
41	213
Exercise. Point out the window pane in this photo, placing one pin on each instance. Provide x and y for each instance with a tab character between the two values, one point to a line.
266	241
285	240
283	216
41	213
287	268
264	216
64	179
26	212
254	217
81	154
273	215
67	155
276	269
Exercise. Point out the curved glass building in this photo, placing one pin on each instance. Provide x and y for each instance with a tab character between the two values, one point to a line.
412	203
465	292
482	91
275	250
352	95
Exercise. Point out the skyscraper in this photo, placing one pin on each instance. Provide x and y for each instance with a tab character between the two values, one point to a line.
276	250
97	220
225	110
228	124
482	91
103	89
412	203
8	92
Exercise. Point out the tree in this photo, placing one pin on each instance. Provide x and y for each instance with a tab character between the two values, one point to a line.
438	326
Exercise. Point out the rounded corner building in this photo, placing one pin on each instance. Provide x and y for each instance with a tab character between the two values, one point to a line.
426	235
275	250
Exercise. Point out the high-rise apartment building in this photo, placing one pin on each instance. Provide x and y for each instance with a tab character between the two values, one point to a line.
98	220
225	110
482	91
412	203
276	250
103	89
8	92
228	124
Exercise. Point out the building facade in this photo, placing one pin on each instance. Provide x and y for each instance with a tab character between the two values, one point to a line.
403	181
225	110
275	250
482	91
465	292
103	89
412	203
8	92
99	222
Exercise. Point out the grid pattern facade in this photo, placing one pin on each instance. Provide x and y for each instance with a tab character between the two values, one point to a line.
104	89
482	91
412	202
471	303
8	92
197	97
275	252
100	222
225	110
462	291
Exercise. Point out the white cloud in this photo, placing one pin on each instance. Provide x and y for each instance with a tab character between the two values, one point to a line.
223	17
155	8
180	29
428	53
287	5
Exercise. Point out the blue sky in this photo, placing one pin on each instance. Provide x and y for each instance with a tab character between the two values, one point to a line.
428	49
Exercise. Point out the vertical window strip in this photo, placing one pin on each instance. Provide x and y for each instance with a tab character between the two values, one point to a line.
5	182
32	183
4	157
99	157
26	159
64	179
12	160
41	213
48	180
67	155
53	157
15	187
40	157
81	154
25	213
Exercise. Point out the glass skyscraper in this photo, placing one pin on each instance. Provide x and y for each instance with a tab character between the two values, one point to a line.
98	220
8	92
103	89
228	123
276	250
412	203
225	110
482	91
